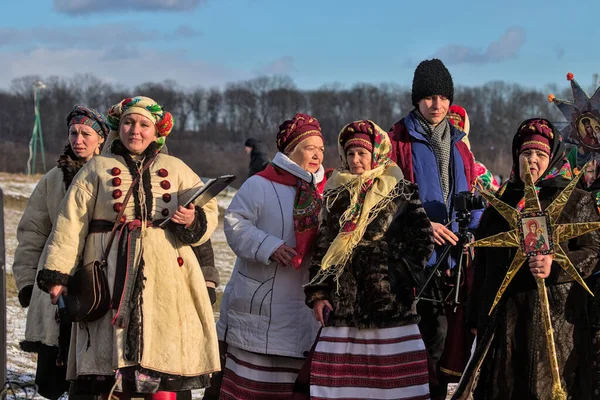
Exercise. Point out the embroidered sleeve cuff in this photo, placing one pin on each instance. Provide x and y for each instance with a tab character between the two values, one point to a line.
195	232
266	248
48	277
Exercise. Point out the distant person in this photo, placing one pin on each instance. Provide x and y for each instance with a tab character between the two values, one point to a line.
87	130
259	158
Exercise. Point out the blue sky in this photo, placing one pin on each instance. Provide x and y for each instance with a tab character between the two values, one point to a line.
316	42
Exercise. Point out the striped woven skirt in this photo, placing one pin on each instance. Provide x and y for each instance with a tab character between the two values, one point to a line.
251	376
389	363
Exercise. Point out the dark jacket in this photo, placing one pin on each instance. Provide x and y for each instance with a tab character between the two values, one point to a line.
259	157
206	258
376	288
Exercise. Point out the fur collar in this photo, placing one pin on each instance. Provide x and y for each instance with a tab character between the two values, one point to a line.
69	164
117	148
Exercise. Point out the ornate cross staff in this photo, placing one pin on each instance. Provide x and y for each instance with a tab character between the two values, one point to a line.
556	233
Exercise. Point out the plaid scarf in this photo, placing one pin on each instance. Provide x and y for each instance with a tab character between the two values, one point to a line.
440	140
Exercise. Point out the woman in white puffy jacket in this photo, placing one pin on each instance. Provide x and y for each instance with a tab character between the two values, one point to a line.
271	225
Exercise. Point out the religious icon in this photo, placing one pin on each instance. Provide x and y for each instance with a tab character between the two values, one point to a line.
588	130
536	234
582	115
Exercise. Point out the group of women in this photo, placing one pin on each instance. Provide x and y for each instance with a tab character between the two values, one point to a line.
320	303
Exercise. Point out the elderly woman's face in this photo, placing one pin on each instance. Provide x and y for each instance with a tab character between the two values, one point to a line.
538	162
359	160
309	154
136	133
85	141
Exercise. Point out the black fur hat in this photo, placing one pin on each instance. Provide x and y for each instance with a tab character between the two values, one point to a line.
431	78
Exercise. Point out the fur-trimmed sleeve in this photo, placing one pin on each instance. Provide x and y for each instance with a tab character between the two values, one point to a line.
410	244
207	216
326	235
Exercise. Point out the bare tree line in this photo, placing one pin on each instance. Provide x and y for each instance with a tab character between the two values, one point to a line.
213	123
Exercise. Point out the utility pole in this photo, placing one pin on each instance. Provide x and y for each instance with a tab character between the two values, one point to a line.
2	294
36	136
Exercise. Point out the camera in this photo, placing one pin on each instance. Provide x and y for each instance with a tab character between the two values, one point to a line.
467	201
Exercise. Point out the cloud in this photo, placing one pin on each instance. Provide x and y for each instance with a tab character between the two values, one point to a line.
123	65
74	36
82	7
505	48
560	52
281	66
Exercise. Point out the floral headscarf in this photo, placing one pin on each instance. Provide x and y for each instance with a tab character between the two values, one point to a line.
163	120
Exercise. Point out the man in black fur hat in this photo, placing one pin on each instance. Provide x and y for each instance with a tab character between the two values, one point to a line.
430	152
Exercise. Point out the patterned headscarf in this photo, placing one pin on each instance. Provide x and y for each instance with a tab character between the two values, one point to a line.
369	192
90	117
535	134
293	132
353	136
163	120
558	173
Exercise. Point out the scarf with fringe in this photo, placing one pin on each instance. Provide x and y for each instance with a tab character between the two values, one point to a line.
370	192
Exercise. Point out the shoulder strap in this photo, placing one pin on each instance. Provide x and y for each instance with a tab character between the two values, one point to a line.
120	214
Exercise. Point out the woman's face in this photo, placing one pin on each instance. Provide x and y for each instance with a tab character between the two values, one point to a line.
85	141
136	133
359	160
309	154
538	162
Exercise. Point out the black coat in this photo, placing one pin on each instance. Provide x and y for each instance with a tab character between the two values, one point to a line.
259	158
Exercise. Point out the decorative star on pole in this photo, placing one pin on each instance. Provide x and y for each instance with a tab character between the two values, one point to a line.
560	233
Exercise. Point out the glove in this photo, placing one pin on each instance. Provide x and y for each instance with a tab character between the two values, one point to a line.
212	294
25	296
